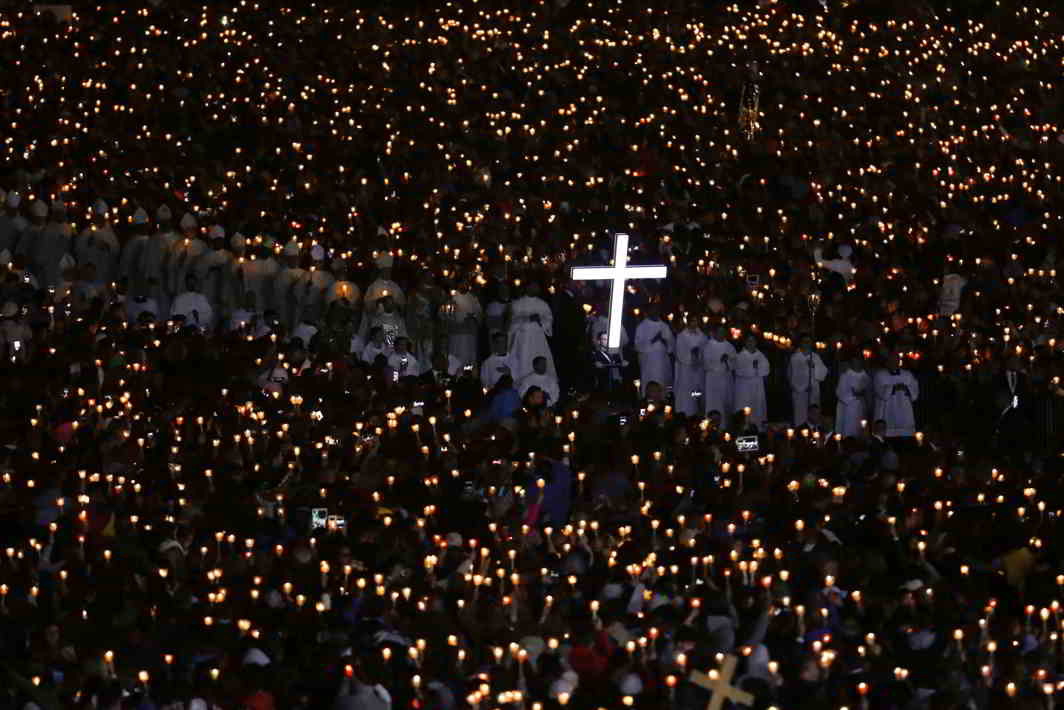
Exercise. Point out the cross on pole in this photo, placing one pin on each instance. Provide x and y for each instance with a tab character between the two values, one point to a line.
719	684
617	274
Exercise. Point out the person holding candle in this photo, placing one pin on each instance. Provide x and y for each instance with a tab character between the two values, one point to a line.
751	369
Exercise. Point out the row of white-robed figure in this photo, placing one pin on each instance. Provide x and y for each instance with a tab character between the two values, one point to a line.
708	374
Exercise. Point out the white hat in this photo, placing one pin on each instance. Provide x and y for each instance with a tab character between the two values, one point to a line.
101	208
39	209
217	232
317	252
291	248
140	216
13	199
237	241
9	310
163	214
66	262
385	261
187	221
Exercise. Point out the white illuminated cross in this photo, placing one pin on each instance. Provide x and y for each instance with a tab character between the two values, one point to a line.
617	274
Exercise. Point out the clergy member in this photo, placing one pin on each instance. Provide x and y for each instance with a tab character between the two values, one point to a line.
805	373
690	374
751	369
852	393
654	342
896	390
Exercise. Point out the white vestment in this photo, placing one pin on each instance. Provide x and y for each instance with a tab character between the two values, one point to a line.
654	363
751	369
527	342
718	360
852	393
805	372
461	324
690	374
895	405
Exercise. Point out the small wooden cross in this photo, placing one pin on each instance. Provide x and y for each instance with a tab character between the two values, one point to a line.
719	684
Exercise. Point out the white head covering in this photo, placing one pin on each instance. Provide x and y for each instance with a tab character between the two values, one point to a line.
39	209
163	214
140	216
217	232
197	704
291	248
101	208
13	199
317	252
187	221
845	251
385	261
237	242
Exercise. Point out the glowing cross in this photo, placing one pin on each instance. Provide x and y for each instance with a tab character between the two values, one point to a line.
719	683
618	274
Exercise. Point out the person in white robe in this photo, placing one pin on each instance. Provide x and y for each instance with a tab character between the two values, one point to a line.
98	245
55	241
386	317
321	280
258	276
497	312
461	318
12	223
751	369
896	390
131	261
29	242
654	343
805	372
497	364
531	323
852	393
376	346
718	359
183	254
156	256
341	289
690	373
291	286
383	284
193	306
212	268
539	377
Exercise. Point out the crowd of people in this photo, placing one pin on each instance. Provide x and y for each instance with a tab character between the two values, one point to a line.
303	409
